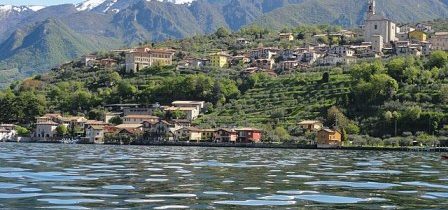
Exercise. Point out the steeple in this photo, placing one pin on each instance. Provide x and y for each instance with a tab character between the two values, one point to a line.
372	9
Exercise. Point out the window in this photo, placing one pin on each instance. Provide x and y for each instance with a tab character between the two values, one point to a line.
376	27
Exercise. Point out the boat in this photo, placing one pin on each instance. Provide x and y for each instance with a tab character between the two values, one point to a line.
445	157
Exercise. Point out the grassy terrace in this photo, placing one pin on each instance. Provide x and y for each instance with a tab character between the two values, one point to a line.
290	98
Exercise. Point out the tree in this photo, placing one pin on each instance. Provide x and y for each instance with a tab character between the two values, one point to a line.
61	130
336	118
437	59
443	93
325	77
116	120
282	134
222	32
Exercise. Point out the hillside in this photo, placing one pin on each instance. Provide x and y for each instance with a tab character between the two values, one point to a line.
106	24
47	44
382	98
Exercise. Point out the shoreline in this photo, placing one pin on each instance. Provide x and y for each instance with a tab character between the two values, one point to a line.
269	146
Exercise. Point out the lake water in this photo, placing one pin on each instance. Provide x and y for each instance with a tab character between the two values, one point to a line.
96	176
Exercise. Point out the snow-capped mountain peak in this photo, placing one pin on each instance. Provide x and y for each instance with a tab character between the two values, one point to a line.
12	8
90	4
115	5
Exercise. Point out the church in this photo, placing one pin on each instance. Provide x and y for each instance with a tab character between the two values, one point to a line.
377	27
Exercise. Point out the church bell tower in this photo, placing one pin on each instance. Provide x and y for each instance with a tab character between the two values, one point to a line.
372	6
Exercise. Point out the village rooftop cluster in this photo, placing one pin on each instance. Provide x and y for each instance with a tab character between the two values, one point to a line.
382	38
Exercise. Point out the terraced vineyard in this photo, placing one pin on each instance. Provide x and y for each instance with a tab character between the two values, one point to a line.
287	98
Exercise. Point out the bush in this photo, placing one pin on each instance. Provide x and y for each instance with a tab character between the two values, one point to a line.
392	142
22	132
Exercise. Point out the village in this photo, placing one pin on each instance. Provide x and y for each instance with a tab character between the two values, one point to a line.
143	124
137	125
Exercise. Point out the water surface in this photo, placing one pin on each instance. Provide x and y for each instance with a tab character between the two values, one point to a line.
97	176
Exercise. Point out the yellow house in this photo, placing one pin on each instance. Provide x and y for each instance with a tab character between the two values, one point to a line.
328	138
219	59
417	35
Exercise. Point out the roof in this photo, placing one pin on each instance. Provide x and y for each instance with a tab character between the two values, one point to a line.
208	130
95	122
188	102
7	125
308	122
96	127
247	129
47	123
329	130
129	126
179	108
442	33
227	130
141	116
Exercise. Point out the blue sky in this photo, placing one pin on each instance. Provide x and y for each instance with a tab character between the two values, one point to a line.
38	2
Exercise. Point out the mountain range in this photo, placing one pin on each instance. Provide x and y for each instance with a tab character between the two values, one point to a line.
36	38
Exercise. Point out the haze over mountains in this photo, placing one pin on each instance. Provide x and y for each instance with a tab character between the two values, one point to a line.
34	38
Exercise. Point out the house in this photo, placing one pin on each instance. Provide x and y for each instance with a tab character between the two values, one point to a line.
248	135
130	126
286	37
45	131
90	60
208	134
439	41
7	132
95	134
73	121
264	53
328	138
108	116
93	122
141	58
331	60
139	119
266	64
189	113
226	135
181	123
108	62
137	111
188	134
418	36
424	27
159	131
288	65
311	125
342	51
219	59
48	118
199	105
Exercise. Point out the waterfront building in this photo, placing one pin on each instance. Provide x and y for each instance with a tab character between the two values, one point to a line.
226	135
328	138
188	134
45	131
7	132
95	134
248	135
